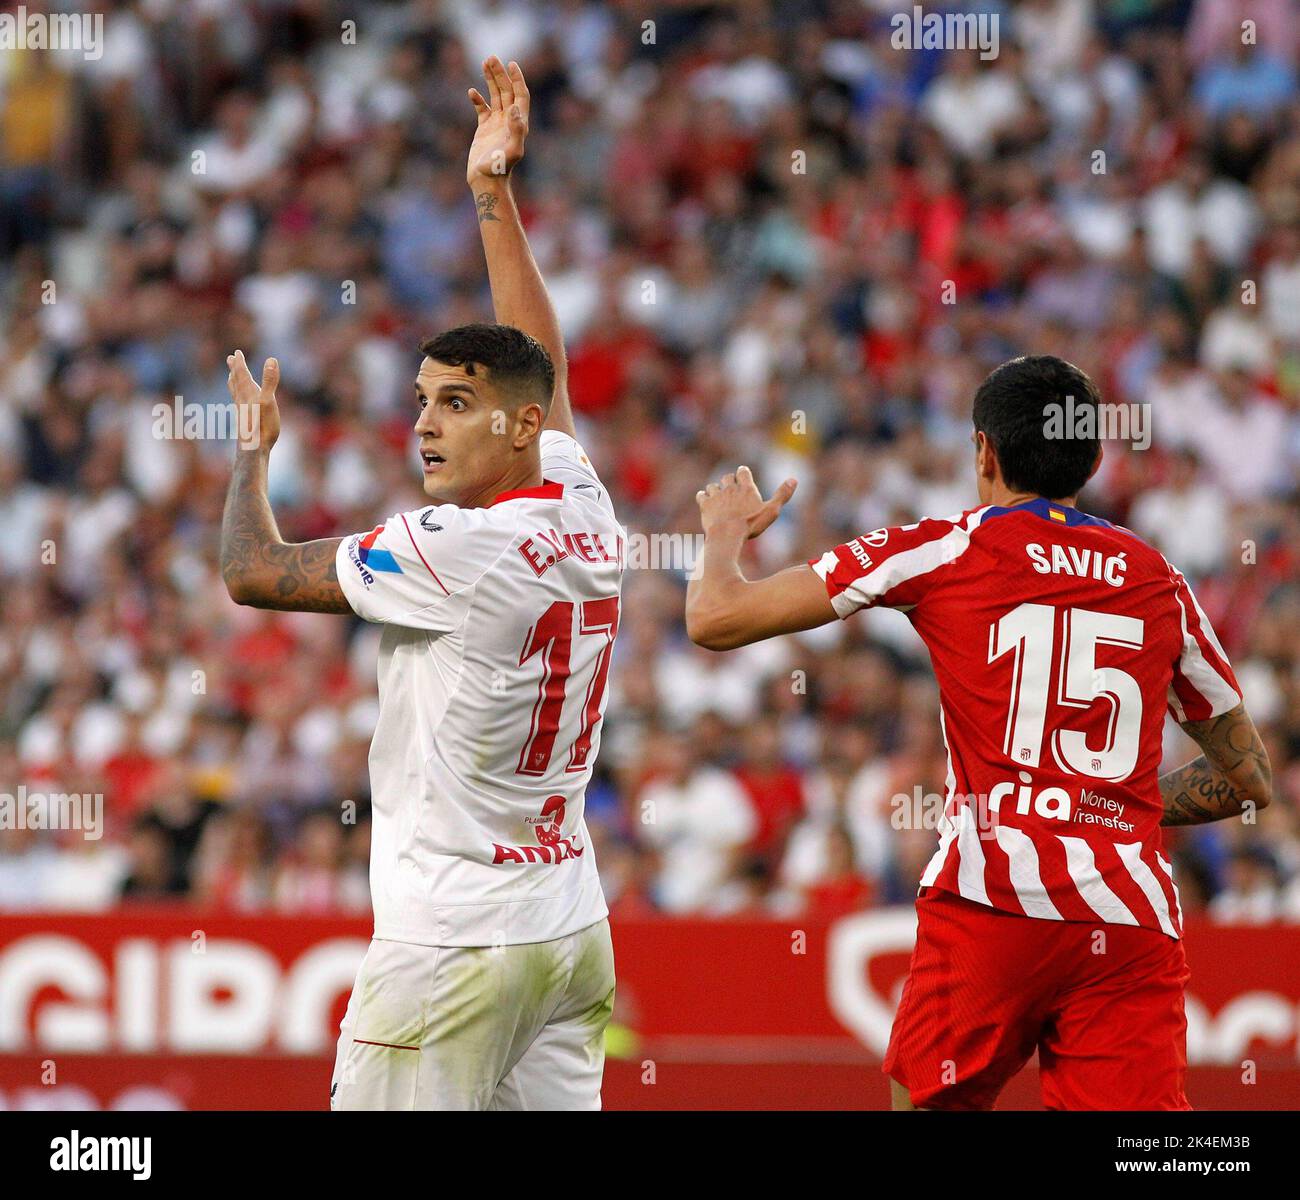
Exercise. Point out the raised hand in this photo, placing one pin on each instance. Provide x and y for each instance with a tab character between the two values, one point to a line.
257	412
502	122
737	497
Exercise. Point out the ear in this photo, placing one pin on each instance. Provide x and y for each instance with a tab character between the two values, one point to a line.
986	459
528	424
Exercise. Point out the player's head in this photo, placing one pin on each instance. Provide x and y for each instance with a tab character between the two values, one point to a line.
1030	417
484	392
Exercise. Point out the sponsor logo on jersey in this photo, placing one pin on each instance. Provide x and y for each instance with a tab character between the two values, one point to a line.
551	848
374	557
354	555
427	521
560	851
1055	804
1051	803
859	552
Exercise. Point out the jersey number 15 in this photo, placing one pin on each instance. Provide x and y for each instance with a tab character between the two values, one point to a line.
1029	632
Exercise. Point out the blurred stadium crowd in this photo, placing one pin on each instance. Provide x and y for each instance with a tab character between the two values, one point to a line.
772	238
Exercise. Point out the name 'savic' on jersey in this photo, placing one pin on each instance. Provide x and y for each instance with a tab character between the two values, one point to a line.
499	626
1058	640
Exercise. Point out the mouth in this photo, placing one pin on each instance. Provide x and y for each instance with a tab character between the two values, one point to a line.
431	461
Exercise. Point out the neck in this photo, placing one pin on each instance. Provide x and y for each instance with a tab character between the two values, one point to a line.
1004	497
523	475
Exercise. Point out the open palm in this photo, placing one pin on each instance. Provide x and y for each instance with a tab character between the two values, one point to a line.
502	122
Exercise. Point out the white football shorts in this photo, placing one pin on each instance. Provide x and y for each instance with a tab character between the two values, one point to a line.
470	1027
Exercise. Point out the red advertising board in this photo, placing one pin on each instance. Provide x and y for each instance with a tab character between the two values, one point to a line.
173	1008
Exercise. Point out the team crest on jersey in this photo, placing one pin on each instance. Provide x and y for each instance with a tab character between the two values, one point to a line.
375	558
428	523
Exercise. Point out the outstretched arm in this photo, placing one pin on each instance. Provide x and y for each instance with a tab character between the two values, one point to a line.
519	295
259	567
1232	776
723	608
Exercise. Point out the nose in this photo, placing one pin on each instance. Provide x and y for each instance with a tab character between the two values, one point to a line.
427	422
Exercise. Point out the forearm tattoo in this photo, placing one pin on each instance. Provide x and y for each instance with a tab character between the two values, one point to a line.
261	568
486	204
1232	775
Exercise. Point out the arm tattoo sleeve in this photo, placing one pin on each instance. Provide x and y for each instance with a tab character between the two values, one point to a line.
1232	775
259	568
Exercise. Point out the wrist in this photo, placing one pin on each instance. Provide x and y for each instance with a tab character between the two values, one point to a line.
497	185
727	530
493	201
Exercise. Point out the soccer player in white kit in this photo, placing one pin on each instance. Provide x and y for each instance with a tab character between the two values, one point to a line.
490	979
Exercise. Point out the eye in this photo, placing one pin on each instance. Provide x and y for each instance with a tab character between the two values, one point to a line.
424	402
456	404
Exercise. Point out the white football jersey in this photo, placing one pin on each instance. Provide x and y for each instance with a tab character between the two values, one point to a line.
499	627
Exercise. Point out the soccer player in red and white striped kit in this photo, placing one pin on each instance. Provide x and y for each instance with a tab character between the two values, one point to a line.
1048	919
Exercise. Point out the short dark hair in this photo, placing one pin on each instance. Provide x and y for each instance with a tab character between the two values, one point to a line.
514	360
1012	411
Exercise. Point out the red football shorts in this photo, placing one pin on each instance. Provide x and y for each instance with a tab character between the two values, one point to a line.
1102	1005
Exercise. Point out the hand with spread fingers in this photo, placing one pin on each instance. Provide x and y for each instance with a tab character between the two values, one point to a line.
736	497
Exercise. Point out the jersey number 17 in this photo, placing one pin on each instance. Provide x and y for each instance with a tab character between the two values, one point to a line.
552	638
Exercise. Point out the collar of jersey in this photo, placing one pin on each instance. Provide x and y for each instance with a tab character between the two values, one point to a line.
547	490
1054	514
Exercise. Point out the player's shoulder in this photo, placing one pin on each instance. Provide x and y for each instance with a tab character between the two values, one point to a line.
455	541
494	522
1043	527
556	444
947	537
564	461
899	551
891	539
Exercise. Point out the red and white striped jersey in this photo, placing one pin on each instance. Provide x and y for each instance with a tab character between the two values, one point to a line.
1057	640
